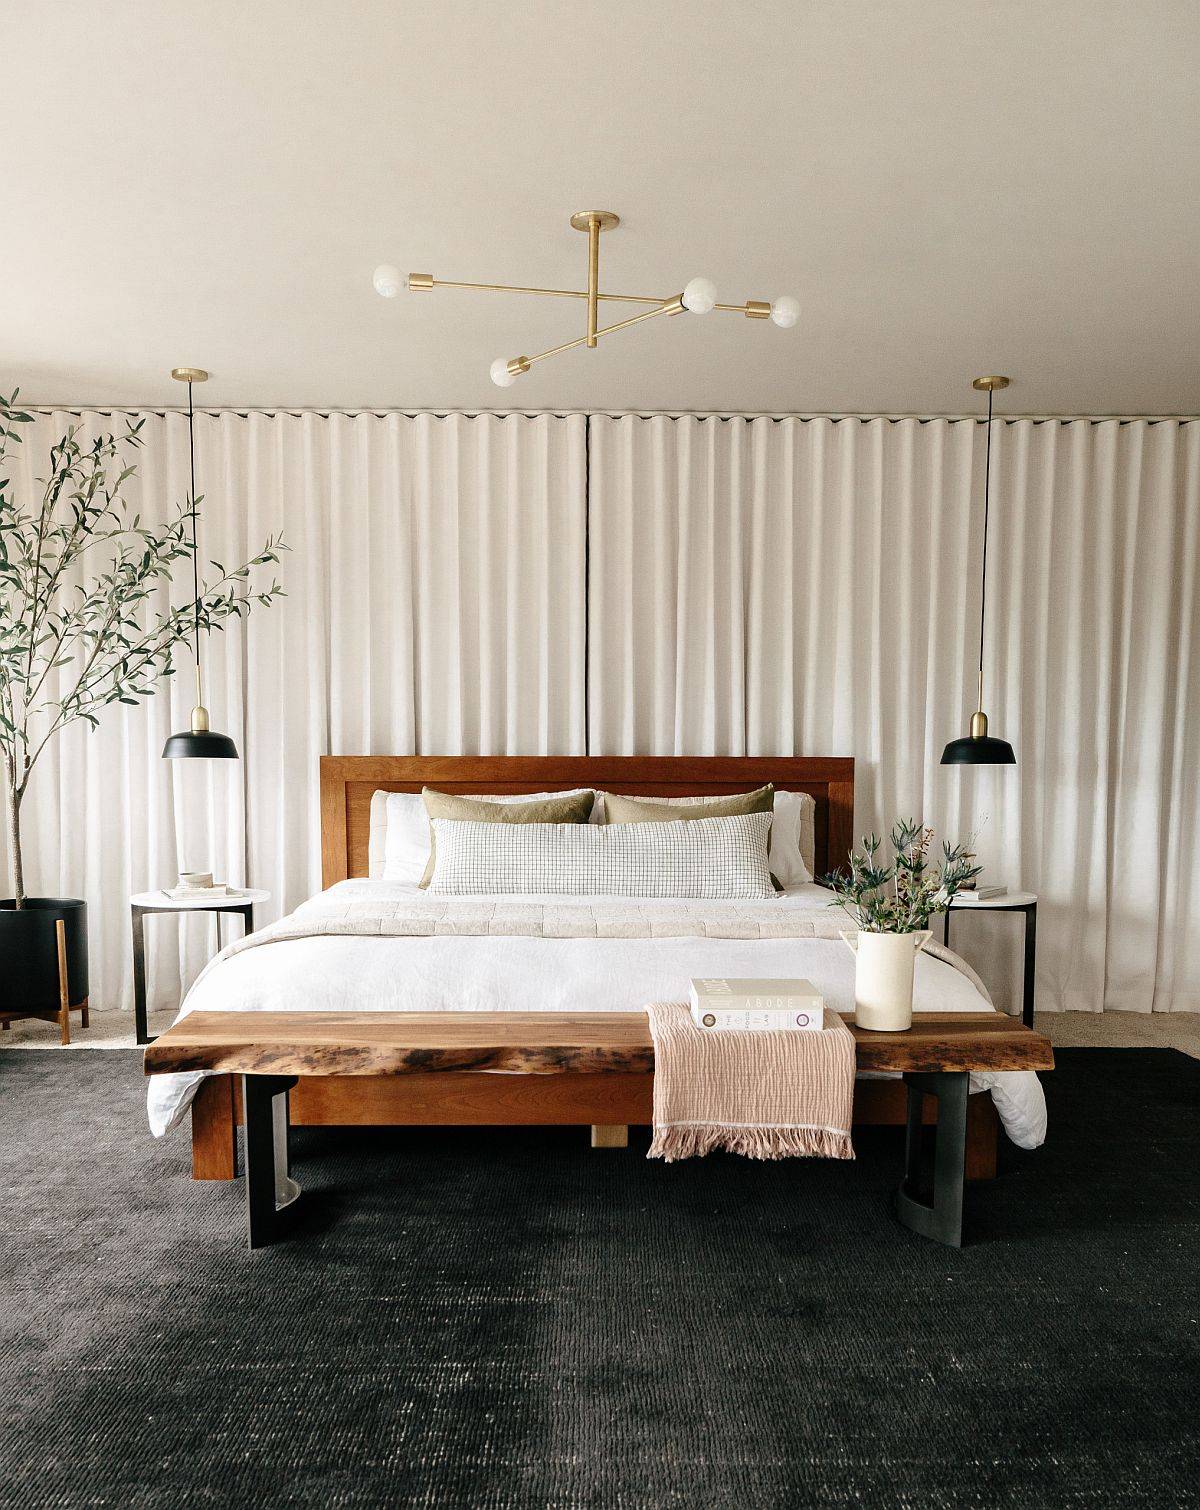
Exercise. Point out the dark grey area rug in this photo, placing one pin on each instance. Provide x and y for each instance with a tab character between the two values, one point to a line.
508	1318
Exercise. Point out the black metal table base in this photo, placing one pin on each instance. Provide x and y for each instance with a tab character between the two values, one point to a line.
138	914
270	1189
939	1218
1029	973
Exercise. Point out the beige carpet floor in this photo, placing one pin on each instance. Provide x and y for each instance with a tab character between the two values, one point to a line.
1123	1030
1083	1030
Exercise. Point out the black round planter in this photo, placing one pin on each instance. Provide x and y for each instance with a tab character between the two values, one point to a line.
29	953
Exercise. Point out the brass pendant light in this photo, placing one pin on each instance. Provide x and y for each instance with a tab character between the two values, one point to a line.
979	747
199	742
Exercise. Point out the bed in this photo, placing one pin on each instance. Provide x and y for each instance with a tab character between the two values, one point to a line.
638	952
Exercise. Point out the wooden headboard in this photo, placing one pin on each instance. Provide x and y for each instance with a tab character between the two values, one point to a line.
348	781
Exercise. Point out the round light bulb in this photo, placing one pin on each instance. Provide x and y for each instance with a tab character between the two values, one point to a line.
700	295
785	312
387	281
500	373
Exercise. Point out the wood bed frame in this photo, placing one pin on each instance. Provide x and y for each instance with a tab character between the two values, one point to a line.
603	1102
348	782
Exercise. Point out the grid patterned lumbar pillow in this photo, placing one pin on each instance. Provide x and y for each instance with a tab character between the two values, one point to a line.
793	833
618	809
567	807
400	838
707	857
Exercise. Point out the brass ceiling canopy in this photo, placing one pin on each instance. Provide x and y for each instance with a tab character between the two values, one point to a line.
698	297
607	220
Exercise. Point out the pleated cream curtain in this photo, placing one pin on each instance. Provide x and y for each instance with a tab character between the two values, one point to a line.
435	604
752	585
799	586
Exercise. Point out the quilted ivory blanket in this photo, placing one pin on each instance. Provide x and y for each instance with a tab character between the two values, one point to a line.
442	916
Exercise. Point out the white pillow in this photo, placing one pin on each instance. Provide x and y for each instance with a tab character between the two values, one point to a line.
793	832
707	857
398	848
376	837
794	838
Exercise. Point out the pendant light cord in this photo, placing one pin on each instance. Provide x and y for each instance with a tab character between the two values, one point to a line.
195	560
987	478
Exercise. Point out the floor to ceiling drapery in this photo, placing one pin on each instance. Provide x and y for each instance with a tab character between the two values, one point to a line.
812	586
750	584
435	602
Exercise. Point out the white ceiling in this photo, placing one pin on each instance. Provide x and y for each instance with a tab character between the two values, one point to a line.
948	188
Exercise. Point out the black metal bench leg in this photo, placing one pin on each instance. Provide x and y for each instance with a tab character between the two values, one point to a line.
270	1188
941	1218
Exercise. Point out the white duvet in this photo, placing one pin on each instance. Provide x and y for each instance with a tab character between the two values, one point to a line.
499	973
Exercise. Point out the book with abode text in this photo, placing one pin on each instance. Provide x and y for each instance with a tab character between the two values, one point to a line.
757	1005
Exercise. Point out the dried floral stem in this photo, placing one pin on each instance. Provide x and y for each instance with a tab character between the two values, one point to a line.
903	896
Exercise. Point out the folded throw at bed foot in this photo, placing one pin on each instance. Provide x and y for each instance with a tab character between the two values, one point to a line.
765	1095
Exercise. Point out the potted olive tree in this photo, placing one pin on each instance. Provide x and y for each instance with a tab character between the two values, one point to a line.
80	628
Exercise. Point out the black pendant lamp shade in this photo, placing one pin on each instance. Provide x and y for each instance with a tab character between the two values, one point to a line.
199	742
979	747
978	750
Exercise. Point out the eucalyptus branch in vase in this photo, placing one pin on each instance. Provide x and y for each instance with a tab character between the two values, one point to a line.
79	573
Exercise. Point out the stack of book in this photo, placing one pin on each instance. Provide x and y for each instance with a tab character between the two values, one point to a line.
981	893
216	892
757	1006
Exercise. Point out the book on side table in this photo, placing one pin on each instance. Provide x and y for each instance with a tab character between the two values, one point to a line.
759	1006
981	894
220	892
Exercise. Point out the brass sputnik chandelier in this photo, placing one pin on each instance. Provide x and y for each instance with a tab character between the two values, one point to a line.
698	298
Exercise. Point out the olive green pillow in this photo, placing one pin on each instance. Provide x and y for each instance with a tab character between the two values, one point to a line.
618	809
573	807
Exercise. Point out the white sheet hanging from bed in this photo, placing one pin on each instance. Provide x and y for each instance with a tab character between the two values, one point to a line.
508	972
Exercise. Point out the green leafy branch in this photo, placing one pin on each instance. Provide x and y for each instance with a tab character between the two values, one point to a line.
78	634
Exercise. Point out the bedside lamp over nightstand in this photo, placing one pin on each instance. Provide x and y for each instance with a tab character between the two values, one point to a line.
979	748
199	741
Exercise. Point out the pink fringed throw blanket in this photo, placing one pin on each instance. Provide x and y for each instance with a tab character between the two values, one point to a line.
766	1095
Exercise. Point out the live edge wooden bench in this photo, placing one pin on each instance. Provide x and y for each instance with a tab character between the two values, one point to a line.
561	1068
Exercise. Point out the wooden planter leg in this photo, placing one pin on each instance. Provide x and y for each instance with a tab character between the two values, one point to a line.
83	1013
64	995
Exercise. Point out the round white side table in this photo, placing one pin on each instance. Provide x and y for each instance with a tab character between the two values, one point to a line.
1012	901
144	902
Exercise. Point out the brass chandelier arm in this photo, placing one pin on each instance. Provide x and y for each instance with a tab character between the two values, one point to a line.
668	307
754	309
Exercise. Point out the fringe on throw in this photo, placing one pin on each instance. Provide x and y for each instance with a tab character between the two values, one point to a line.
694	1139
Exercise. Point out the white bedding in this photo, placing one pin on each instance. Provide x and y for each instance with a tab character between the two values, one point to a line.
492	973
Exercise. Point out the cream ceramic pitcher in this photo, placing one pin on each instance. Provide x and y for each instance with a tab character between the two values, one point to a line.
883	978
